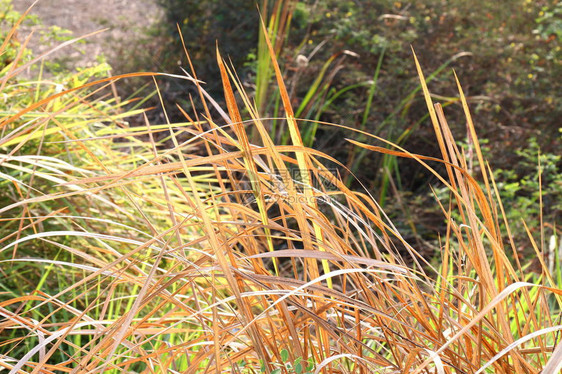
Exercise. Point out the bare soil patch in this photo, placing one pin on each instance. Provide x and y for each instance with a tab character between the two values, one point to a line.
126	21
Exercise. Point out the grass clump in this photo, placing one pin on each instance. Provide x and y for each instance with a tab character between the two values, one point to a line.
223	253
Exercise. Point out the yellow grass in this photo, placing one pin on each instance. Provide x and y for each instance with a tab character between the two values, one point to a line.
210	256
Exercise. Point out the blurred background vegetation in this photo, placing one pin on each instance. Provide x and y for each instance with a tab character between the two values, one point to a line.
350	62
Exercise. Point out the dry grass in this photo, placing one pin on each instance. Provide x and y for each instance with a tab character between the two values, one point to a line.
212	256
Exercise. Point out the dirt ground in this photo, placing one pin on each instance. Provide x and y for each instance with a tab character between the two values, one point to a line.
124	19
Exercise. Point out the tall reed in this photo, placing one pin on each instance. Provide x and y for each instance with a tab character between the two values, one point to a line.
221	254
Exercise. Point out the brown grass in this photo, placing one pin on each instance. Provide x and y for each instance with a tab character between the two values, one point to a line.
197	279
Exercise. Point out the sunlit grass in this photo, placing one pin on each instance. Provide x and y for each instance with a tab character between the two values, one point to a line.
203	250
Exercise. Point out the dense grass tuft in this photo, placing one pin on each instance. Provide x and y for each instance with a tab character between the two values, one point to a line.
193	247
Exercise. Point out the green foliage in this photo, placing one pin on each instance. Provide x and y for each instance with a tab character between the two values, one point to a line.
56	34
298	366
521	195
521	192
514	94
9	17
40	149
549	23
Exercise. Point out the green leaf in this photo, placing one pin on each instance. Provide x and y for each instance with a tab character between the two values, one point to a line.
310	365
284	355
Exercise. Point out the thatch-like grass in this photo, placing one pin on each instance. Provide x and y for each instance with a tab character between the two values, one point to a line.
222	255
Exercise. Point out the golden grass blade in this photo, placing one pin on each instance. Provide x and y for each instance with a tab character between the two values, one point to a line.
249	162
387	151
14	28
432	114
303	253
554	364
301	158
555	355
472	132
483	312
